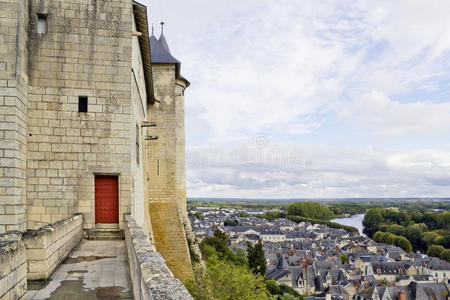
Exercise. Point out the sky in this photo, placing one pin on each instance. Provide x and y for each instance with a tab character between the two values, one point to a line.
312	98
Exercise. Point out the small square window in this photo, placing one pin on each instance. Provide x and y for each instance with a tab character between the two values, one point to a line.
41	23
82	104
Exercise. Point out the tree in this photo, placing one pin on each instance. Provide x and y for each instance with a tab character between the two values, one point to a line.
403	243
446	241
216	245
443	219
430	219
396	229
223	281
384	237
198	215
344	259
222	236
390	238
396	217
229	222
272	215
435	250
311	210
372	221
256	259
240	257
430	237
377	237
414	235
445	255
282	291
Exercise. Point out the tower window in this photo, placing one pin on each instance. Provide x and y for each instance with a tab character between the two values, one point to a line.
82	104
157	167
41	23
137	144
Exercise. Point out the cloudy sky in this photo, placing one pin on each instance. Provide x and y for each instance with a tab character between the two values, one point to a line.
311	98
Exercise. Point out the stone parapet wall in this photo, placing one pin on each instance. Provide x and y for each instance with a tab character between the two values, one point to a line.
13	267
150	275
48	246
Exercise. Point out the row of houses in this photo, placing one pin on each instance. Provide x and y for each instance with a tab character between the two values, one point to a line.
329	263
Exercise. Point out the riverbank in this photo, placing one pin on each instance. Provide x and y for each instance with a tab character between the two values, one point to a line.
354	221
331	224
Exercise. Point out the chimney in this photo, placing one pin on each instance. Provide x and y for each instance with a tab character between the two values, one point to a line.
402	295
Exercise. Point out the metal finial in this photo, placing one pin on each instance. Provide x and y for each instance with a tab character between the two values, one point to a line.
162	27
153	29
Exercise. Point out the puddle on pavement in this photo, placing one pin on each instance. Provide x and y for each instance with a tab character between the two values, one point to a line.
73	289
36	285
77	271
74	260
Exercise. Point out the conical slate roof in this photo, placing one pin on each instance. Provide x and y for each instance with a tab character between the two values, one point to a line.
163	42
159	50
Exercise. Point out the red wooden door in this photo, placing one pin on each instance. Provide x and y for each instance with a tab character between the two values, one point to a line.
106	199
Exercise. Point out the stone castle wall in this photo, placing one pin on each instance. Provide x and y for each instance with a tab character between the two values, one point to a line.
51	152
13	113
166	161
86	52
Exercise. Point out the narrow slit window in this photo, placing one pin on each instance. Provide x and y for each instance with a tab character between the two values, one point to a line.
157	167
137	144
83	104
41	23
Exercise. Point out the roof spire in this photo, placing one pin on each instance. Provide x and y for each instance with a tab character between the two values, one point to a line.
153	30
162	39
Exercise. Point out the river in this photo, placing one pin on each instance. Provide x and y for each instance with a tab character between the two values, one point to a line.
355	221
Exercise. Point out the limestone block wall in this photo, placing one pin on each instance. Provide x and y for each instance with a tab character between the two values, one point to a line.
86	51
13	110
166	171
170	238
48	246
163	152
150	275
13	267
180	177
139	111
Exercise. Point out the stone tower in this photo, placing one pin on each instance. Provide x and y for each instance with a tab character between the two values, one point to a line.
166	159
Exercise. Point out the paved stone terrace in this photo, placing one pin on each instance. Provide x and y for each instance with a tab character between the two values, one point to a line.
94	270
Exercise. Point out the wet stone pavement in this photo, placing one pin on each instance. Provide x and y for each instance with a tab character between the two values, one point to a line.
94	270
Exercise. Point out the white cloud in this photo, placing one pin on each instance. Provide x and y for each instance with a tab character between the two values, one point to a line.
290	68
317	171
375	111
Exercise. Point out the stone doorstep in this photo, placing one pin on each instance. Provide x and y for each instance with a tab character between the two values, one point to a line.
104	234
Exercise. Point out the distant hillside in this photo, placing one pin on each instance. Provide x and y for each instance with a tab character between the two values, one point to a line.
317	199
